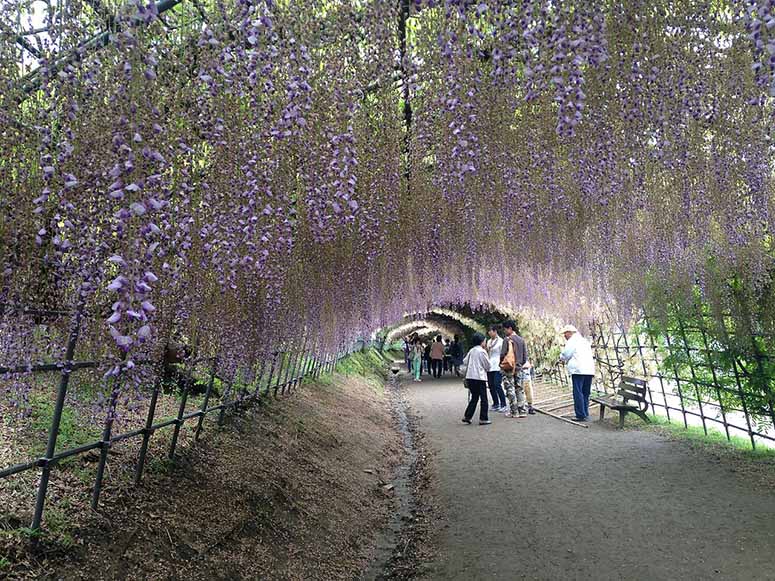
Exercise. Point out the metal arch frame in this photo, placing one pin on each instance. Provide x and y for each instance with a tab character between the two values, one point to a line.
440	324
21	41
32	81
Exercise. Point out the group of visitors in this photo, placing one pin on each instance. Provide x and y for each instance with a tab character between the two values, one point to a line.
437	357
504	366
501	364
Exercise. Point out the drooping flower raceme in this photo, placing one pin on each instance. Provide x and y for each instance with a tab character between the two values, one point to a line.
255	174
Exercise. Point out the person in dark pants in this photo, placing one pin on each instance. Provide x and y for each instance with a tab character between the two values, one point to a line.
437	357
580	360
478	364
427	358
494	377
456	355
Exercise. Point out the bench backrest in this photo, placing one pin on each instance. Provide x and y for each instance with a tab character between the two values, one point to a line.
634	389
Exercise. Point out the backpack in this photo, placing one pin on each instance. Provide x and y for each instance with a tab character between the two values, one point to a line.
509	361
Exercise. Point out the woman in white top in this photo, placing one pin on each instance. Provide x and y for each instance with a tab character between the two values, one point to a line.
494	377
478	364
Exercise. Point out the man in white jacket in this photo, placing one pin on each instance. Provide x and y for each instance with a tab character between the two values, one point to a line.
581	367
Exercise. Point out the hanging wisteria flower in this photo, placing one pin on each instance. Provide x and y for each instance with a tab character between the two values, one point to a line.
275	170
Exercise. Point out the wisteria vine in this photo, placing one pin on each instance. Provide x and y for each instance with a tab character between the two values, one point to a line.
257	172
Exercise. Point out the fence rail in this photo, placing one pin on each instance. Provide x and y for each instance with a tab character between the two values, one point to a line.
689	374
280	372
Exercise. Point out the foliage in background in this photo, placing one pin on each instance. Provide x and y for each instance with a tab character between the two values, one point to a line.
724	359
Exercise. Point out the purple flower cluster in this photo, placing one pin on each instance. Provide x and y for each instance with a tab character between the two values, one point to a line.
252	174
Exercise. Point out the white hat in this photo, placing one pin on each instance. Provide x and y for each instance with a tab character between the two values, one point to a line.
569	329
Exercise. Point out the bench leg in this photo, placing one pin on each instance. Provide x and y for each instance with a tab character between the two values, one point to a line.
602	412
643	416
622	413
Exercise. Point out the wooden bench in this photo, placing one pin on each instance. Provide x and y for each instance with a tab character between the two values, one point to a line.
631	389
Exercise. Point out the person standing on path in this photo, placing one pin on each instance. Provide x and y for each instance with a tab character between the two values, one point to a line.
477	363
494	377
456	354
437	357
578	356
513	358
527	383
417	352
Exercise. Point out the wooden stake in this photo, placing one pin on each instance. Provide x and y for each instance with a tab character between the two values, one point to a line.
579	424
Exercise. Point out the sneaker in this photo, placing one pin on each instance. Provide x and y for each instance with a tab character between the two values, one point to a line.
508	414
531	410
484	422
522	414
466	421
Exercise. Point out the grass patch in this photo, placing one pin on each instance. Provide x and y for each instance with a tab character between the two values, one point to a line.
715	438
394	354
57	528
369	364
57	525
24	533
72	432
160	466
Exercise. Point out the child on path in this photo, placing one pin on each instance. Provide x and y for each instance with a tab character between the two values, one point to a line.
527	382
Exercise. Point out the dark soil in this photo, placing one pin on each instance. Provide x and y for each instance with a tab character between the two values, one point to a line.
414	546
542	499
294	491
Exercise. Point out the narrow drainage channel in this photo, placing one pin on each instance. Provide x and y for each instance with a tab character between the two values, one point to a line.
387	546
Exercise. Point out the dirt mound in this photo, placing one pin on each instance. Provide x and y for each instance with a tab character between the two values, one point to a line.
293	491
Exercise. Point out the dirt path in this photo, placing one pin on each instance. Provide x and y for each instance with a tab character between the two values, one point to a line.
541	499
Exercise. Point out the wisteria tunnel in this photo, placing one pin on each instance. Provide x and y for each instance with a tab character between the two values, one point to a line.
231	232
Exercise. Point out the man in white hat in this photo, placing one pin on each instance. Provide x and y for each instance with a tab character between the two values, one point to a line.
581	367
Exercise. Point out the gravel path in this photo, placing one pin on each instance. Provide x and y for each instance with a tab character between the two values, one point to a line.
542	499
